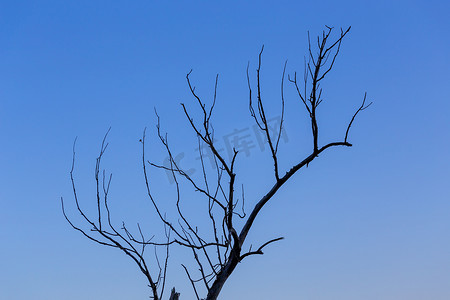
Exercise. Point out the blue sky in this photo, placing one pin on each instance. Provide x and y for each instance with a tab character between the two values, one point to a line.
369	222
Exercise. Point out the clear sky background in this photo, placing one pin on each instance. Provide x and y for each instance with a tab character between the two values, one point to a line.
368	222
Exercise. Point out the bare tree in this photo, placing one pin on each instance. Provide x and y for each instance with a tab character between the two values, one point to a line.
218	253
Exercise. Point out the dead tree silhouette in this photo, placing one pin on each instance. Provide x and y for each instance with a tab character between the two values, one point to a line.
218	254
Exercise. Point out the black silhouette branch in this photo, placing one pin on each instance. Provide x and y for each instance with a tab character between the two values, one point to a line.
105	233
217	249
259	251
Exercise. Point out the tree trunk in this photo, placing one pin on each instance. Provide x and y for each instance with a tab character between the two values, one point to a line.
222	277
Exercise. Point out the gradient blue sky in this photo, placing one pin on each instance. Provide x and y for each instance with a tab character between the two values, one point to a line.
371	222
